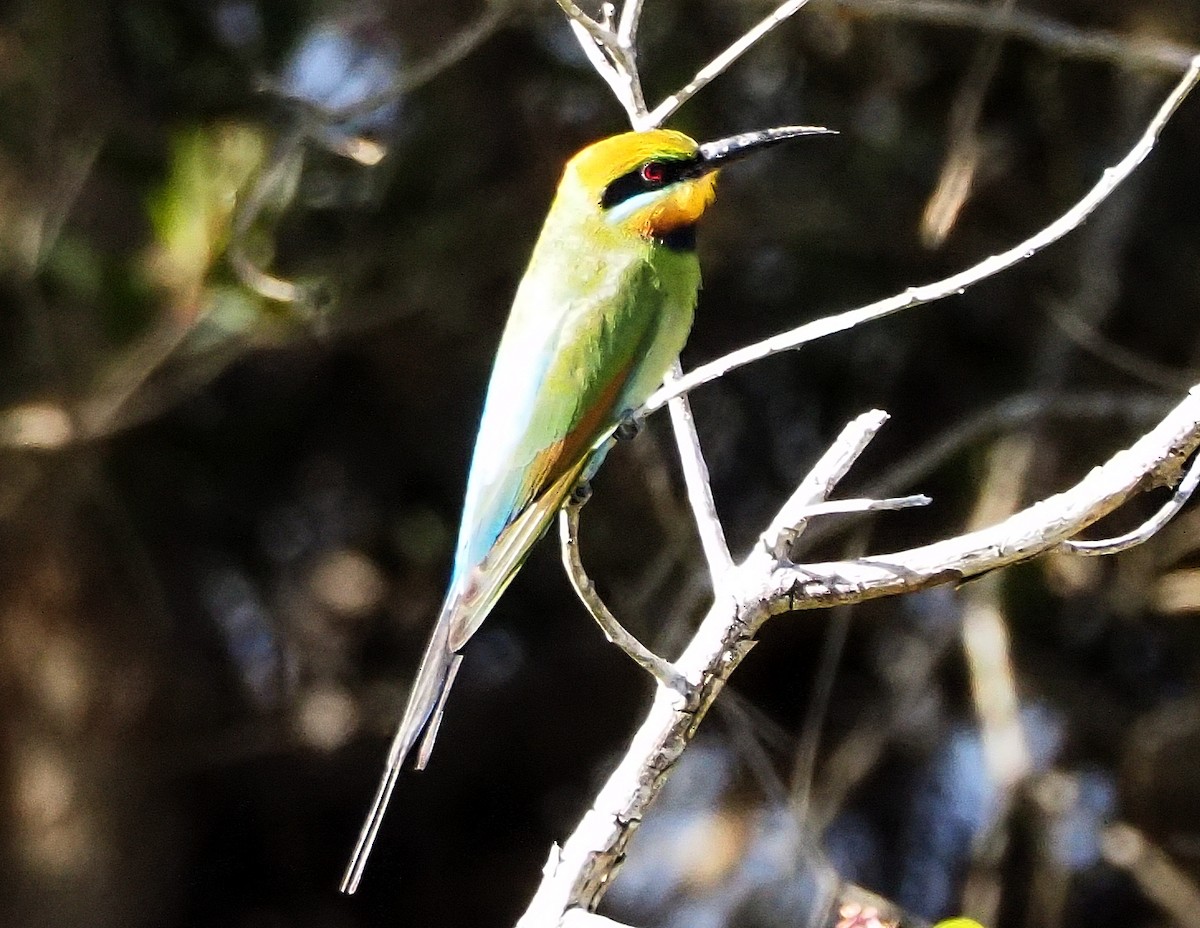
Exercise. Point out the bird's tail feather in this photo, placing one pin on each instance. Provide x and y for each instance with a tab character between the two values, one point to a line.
422	714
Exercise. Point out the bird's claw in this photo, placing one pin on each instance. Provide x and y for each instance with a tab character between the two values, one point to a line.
628	428
582	493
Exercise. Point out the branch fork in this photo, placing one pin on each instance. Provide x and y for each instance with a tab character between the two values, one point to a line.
766	583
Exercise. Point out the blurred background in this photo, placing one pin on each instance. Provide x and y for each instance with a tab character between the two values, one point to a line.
255	256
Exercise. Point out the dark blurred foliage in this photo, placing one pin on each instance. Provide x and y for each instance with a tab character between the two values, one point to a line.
225	521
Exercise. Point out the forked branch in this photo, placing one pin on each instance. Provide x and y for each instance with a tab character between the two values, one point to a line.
579	871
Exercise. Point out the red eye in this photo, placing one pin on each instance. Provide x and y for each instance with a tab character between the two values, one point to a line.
653	173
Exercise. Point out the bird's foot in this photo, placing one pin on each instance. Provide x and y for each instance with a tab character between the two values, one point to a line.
582	493
629	427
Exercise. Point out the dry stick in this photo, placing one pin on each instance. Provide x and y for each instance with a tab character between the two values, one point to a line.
615	73
613	57
601	34
699	489
718	65
1013	412
577	874
916	296
661	670
1147	529
789	522
631	15
1154	459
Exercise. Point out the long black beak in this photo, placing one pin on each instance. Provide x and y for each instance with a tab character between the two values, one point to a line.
714	155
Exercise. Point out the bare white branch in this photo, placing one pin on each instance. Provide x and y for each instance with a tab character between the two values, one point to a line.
600	34
699	488
1149	528
619	83
631	15
842	506
613	56
956	283
1032	531
579	871
663	671
833	465
718	65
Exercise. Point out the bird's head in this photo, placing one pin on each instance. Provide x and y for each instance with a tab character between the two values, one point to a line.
657	184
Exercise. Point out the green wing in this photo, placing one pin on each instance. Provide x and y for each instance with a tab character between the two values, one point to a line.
571	362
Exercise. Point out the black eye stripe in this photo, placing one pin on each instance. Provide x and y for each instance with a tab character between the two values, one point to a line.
631	184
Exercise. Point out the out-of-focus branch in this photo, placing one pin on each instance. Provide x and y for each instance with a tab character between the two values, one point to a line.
1156	874
448	54
964	148
1051	34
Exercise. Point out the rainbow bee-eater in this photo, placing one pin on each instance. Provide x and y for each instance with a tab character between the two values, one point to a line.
600	316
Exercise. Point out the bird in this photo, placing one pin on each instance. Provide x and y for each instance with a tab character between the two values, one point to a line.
600	316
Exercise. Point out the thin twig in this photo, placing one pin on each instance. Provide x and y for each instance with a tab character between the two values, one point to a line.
843	506
663	671
789	522
614	58
699	488
718	65
1149	528
600	34
956	283
615	75
1034	530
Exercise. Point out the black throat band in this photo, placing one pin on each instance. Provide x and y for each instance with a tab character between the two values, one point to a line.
681	238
